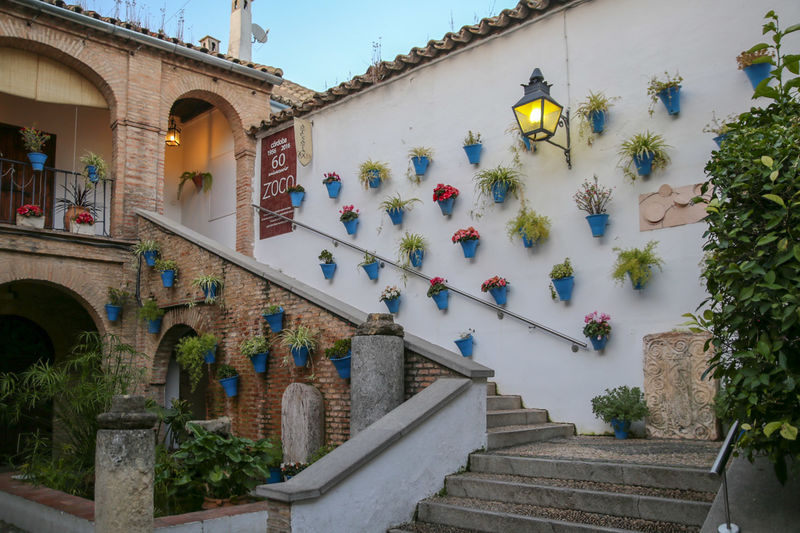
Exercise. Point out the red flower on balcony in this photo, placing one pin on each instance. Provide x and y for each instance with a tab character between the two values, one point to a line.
30	210
84	218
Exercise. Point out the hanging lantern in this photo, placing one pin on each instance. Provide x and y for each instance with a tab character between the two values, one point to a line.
173	133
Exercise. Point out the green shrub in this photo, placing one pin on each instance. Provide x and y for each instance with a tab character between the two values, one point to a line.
622	403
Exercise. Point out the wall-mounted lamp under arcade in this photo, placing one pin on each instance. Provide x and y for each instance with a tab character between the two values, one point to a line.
173	133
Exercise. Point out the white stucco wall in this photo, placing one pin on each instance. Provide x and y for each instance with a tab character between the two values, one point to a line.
600	45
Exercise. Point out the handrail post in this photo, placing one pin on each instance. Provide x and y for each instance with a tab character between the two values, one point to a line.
719	468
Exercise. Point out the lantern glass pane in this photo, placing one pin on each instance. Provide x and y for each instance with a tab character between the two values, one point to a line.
552	112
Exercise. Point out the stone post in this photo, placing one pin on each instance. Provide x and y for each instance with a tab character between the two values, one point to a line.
376	384
124	467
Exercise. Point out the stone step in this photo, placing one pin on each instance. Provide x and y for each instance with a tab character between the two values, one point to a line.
505	436
421	527
515	417
667	477
497	403
491	388
599	498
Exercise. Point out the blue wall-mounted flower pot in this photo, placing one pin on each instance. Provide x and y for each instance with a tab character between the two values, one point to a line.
154	326
150	257
297	198
333	188
113	311
328	269
469	247
275	321
465	346
671	97
441	298
274	475
500	294
447	205
374	179
91	171
351	226
499	191
342	365
598	120
393	305
168	278
598	223
526	242
371	269
300	356
599	343
259	361
719	139
37	160
416	258
644	164
230	385
211	355
473	152
420	165
210	291
527	142
564	287
621	428
757	72
396	215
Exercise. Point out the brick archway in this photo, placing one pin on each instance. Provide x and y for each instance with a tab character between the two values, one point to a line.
176	323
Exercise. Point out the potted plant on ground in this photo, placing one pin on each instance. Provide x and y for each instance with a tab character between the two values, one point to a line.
593	199
191	353
395	206
498	182
636	264
348	215
562	280
94	166
257	349
372	173
275	460
169	270
530	226
273	314
391	297
597	328
296	194
469	239
147	248
301	341
370	266
497	287
34	140
445	196
472	147
619	407
202	180
116	299
339	354
668	90
592	114
333	183
210	284
420	157
228	377
465	342
644	151
30	215
327	265
411	248
76	201
150	312
756	63
83	224
439	292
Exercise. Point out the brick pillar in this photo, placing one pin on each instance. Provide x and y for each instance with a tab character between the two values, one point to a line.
245	215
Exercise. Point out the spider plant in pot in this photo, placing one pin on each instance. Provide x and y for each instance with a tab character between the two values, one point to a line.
202	180
150	312
372	173
636	264
395	207
420	157
339	354
273	314
191	352
256	348
169	271
667	90
77	200
645	152
473	146
498	182
592	114
147	248
756	63
116	299
391	297
296	194
619	407
301	341
562	280
411	248
94	166
370	265
327	264
593	199
528	225
210	284
228	377
34	141
465	342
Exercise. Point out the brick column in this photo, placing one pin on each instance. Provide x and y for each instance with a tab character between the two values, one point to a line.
245	216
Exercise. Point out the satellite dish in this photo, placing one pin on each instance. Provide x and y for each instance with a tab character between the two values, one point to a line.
259	34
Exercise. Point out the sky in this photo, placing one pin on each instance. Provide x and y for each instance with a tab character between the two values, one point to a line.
318	44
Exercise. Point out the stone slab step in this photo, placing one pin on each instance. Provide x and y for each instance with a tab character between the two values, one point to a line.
422	527
505	436
668	477
515	417
491	388
497	403
579	499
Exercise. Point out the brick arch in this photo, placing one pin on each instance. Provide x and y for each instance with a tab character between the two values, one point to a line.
177	323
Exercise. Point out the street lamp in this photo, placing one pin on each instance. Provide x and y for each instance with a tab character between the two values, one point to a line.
173	133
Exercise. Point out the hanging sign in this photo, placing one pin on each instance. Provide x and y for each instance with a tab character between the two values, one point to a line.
278	172
302	138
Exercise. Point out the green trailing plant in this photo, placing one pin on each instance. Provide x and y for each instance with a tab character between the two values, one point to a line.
594	102
407	245
340	348
656	85
641	145
621	403
254	345
206	282
636	263
518	145
145	245
166	264
150	310
226	371
190	354
326	257
97	161
528	222
396	202
751	264
500	175
117	296
368	168
472	138
206	178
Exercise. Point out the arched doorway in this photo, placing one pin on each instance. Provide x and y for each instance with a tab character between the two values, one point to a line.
177	384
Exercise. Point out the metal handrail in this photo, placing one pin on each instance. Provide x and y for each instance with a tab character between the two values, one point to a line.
718	468
500	311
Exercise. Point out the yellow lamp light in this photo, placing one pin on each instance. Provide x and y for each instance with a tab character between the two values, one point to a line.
173	133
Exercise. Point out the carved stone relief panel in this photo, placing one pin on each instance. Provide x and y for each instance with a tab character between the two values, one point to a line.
670	207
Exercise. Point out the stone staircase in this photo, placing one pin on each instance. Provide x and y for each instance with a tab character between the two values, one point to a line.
506	493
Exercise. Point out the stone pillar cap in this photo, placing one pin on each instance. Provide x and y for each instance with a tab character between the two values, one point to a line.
380	324
127	412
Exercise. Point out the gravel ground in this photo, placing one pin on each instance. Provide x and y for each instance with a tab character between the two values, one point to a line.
688	453
568	515
676	494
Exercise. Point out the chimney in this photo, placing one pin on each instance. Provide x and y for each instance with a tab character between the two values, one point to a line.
241	27
210	43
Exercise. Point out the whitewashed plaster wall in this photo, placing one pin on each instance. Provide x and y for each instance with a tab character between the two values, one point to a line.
614	46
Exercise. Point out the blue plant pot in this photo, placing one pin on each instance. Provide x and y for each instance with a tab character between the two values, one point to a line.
371	269
230	386
300	356
441	299
393	305
333	188
396	216
719	139
599	344
644	164
671	97
447	205
469	247
37	160
275	321
297	198
211	355
500	294
210	292
527	142
639	285
259	361
474	152
342	365
328	269
168	278
91	170
374	179
150	257
621	428
526	242
113	311
351	226
416	258
564	287
598	120
420	165
465	346
154	326
598	224
757	72
499	191
274	475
